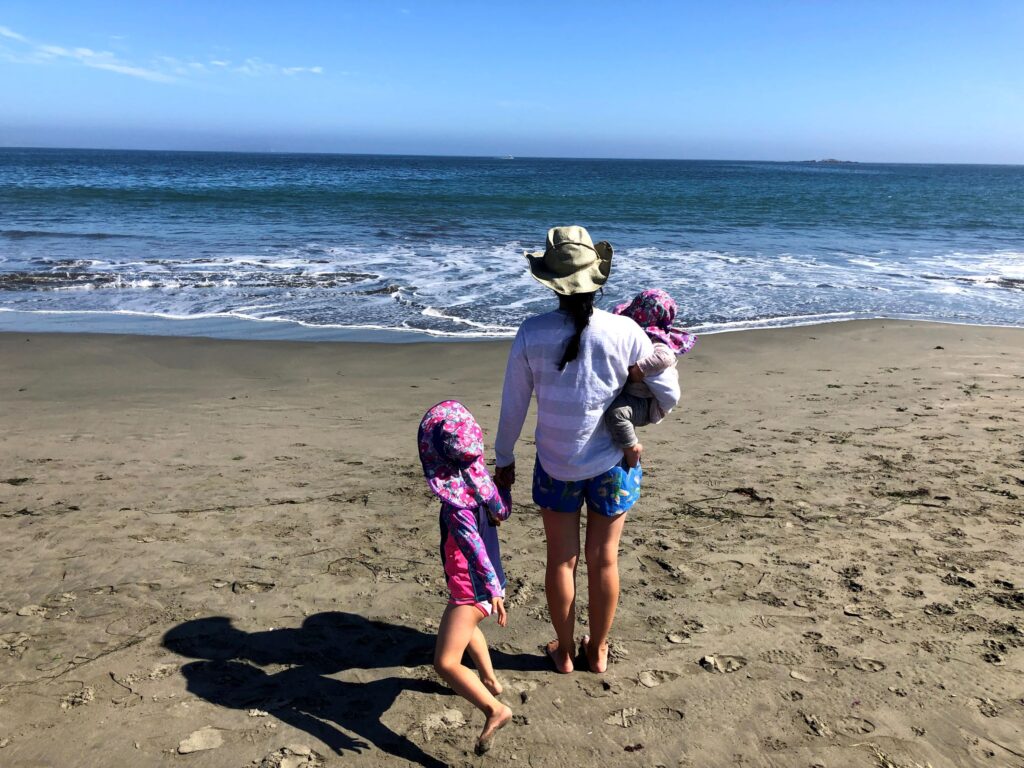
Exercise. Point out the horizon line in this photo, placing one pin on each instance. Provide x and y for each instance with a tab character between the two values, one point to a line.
818	161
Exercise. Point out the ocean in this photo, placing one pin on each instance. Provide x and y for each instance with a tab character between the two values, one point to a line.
389	247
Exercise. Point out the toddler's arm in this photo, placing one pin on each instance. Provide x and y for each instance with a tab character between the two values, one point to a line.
661	359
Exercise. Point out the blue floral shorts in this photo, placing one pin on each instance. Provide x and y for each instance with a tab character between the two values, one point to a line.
610	494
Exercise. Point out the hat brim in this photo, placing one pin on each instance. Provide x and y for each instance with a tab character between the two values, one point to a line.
678	341
586	280
461	489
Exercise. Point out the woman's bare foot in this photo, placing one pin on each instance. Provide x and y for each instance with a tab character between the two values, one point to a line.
597	659
492	685
494	723
560	660
632	454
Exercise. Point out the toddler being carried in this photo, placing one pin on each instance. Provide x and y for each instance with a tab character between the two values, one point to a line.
653	310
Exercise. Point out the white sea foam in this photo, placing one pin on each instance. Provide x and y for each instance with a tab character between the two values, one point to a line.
485	290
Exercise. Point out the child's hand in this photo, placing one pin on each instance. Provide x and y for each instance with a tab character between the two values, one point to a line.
505	477
498	608
634	374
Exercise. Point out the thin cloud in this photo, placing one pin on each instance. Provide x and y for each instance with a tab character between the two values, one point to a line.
10	34
163	69
41	53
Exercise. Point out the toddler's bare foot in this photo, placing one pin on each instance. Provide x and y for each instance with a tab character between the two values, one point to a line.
494	723
632	454
492	685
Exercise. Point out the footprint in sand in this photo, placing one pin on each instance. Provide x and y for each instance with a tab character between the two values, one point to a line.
725	664
829	652
32	610
779	656
239	587
854	726
868	665
651	678
630	716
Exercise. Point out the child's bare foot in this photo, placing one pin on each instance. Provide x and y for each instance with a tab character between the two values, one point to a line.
560	660
597	658
494	723
492	685
632	454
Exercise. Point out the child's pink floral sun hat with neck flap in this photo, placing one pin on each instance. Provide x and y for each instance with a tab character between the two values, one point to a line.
654	310
451	446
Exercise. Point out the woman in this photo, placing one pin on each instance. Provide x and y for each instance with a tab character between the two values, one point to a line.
577	360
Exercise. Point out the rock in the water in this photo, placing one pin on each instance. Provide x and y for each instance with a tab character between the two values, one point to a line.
203	739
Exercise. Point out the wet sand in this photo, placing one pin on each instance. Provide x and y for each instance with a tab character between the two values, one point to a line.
228	547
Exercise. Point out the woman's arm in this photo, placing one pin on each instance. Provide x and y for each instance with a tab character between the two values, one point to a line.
665	388
515	402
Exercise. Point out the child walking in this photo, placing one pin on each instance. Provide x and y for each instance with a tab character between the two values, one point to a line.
452	452
653	310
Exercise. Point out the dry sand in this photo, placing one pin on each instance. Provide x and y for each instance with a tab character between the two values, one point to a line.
227	547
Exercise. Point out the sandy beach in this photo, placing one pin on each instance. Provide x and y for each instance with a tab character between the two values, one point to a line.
220	553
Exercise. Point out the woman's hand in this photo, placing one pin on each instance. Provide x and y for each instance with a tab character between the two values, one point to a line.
505	477
635	375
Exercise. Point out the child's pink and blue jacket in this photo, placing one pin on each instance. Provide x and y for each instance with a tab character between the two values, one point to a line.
451	450
471	555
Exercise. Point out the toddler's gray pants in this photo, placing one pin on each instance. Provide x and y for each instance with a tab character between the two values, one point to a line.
627	411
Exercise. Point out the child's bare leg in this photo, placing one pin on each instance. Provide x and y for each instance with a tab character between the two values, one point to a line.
482	661
454	637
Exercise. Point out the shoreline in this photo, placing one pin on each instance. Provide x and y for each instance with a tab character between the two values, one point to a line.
235	537
226	327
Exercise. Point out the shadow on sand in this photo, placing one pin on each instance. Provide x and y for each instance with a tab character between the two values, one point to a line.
303	695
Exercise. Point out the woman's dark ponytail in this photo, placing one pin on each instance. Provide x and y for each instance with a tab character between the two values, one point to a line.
580	307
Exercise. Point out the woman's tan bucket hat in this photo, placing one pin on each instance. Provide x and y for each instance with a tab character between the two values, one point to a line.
571	262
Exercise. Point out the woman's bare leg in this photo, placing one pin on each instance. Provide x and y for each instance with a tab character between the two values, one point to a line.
562	531
482	661
602	551
458	626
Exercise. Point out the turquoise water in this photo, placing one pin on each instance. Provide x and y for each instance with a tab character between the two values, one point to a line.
287	244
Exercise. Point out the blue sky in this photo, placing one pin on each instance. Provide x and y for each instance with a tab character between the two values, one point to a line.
884	81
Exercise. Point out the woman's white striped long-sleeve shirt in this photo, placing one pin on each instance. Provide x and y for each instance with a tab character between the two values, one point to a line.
572	440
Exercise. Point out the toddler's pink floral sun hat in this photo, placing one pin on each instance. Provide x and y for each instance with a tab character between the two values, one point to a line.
451	446
654	310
